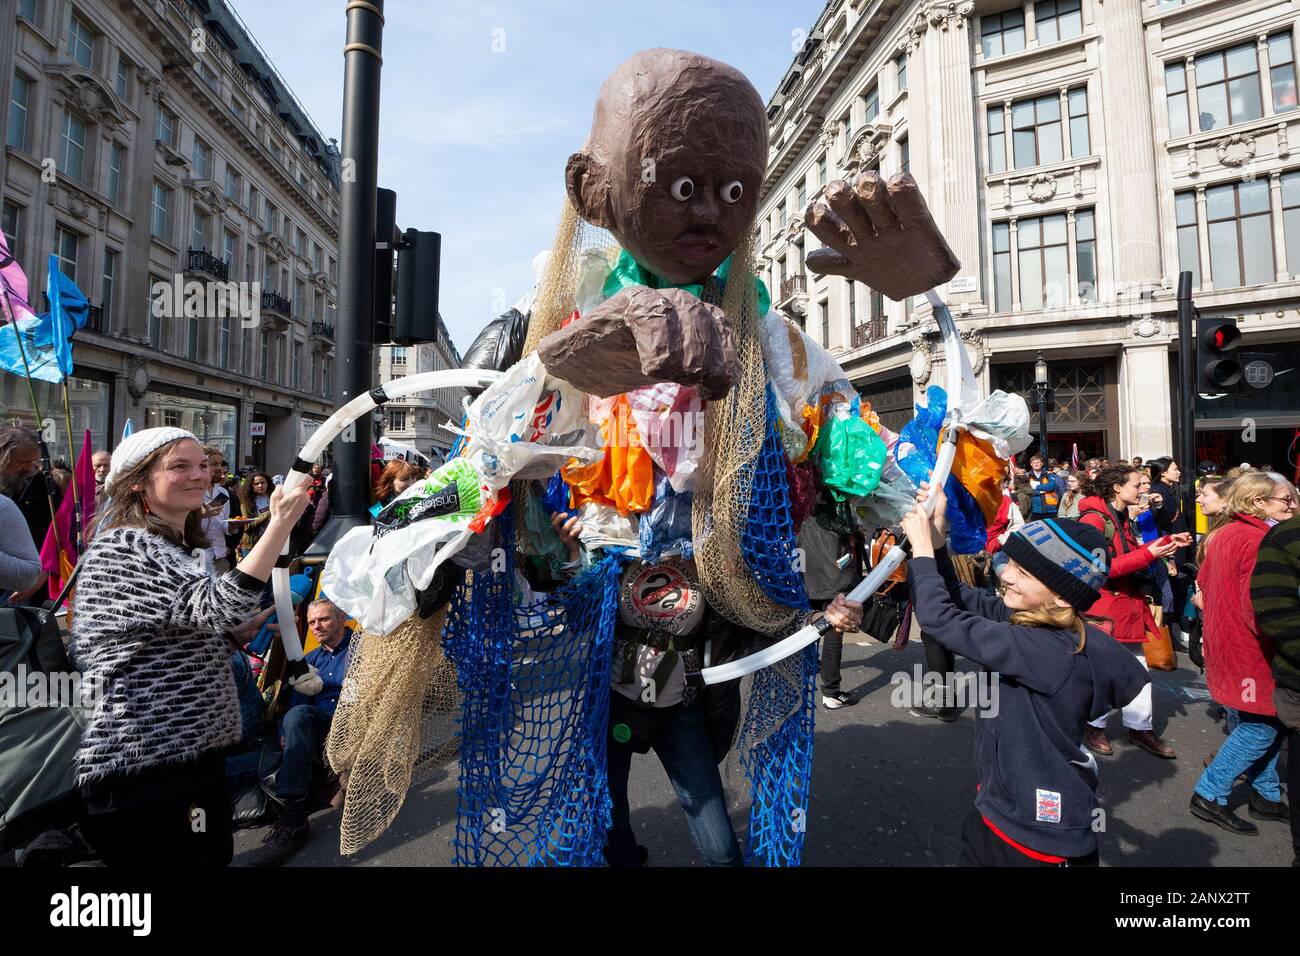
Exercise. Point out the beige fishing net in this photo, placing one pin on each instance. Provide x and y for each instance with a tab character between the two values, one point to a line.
395	724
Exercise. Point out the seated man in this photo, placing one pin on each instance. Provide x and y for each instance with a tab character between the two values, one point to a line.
303	732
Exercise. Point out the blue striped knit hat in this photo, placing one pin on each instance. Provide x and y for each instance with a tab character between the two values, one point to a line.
1070	557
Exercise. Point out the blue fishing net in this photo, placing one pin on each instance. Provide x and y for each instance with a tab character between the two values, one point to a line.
776	735
768	543
535	678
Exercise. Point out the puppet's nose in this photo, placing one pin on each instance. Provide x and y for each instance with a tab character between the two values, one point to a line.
704	208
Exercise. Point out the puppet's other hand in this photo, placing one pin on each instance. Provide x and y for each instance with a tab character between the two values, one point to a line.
881	234
639	336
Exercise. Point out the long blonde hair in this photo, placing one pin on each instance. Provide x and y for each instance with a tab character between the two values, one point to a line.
1062	618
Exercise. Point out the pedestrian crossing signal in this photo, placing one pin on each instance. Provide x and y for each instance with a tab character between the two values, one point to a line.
1219	372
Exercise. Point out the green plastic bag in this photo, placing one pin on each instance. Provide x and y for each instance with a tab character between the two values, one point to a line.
851	456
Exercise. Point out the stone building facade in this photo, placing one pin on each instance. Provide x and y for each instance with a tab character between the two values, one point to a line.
153	148
1077	154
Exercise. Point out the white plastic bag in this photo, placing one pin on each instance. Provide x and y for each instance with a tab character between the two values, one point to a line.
669	419
526	425
1002	420
604	527
798	366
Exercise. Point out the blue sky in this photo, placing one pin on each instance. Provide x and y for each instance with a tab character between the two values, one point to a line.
474	139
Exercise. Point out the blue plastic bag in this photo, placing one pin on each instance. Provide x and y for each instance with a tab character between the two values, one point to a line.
667	525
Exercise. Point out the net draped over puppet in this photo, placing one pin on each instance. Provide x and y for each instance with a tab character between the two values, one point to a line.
533	674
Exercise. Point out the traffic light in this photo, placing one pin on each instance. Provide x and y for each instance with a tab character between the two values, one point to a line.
1258	369
386	239
416	318
1218	370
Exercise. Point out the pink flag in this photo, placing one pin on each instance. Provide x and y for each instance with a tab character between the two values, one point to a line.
13	284
59	561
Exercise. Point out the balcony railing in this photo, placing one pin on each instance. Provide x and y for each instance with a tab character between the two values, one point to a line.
95	319
873	330
274	302
794	284
322	330
203	261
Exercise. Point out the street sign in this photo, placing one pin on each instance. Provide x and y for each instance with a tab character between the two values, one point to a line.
962	284
257	429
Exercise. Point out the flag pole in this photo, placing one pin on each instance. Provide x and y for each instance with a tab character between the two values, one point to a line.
36	410
72	454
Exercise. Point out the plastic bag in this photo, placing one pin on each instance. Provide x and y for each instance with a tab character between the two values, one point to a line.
850	455
667	526
526	425
918	441
1002	420
980	472
604	527
894	497
967	532
798	367
670	423
624	474
802	481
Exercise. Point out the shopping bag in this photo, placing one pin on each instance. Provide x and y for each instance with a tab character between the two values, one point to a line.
1159	651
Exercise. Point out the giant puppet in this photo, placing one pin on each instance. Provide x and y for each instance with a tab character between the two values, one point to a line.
648	396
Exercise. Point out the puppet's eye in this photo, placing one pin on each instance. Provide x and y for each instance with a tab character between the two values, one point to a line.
732	191
683	189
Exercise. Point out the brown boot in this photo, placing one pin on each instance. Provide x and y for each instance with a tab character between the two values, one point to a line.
1148	741
1094	738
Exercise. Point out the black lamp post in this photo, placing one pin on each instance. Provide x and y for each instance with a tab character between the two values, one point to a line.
1046	402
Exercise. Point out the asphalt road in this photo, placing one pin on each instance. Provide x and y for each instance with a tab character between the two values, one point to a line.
890	789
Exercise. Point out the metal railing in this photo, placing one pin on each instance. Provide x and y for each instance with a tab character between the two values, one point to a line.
323	330
95	319
203	261
274	302
794	284
872	330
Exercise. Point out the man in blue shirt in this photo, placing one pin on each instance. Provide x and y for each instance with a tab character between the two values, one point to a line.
303	731
1045	489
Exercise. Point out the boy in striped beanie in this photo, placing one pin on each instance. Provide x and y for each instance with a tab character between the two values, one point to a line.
1050	672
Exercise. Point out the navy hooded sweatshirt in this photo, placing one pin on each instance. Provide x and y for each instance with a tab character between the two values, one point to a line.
1037	782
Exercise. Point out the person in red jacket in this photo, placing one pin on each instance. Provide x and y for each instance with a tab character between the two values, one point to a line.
1122	609
1238	660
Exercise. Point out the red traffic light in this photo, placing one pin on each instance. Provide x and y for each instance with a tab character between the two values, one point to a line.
1220	336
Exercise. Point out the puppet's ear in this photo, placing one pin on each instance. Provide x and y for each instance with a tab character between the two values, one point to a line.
587	181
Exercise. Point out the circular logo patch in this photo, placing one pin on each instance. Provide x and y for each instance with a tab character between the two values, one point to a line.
662	597
622	733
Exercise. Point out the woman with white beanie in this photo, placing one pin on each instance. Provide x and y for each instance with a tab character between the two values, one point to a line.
147	636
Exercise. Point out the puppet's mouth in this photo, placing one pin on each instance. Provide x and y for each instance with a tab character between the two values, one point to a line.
697	245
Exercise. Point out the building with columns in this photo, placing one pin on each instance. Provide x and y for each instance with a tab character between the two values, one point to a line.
152	146
1077	155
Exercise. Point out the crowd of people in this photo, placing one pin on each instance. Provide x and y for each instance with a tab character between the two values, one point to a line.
1070	638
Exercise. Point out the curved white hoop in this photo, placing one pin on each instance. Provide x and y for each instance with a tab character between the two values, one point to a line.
302	678
961	389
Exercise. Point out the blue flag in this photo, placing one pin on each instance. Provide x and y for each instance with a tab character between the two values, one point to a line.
46	338
69	311
127	430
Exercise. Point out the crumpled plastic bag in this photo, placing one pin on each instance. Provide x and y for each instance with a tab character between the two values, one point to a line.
526	425
980	471
802	482
623	476
850	454
894	497
797	366
1001	420
967	533
667	526
670	423
373	573
918	441
539	536
604	527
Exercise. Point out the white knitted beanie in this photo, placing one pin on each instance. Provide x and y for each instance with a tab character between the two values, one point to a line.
138	446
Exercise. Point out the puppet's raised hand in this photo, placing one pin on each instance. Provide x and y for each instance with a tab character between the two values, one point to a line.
639	336
881	234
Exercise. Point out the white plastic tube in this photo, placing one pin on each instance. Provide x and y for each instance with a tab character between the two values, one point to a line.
961	390
302	677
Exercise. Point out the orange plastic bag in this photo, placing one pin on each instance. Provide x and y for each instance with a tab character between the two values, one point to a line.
624	477
979	469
